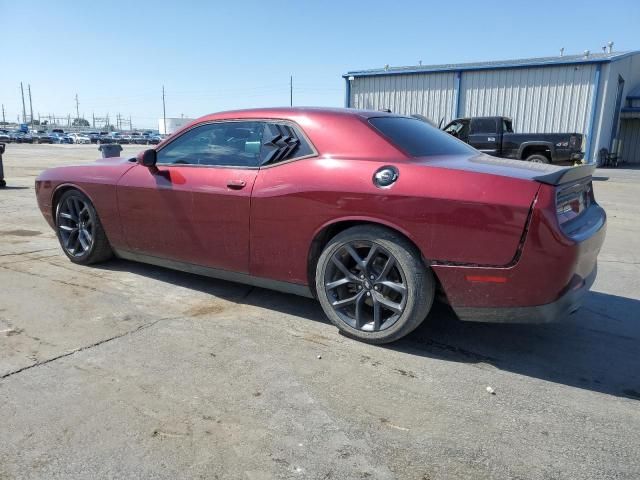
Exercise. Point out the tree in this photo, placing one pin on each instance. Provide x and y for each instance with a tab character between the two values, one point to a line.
81	122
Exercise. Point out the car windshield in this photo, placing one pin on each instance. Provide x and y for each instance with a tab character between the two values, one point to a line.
418	138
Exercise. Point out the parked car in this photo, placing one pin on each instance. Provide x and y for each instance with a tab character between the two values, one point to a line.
495	136
5	136
117	137
42	136
20	137
150	139
80	138
104	137
61	138
135	138
369	212
94	136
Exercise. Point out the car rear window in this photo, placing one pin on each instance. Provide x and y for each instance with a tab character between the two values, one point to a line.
418	138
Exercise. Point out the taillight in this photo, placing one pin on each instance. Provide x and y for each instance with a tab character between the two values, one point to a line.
572	200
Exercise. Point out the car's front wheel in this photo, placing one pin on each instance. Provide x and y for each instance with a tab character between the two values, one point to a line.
79	230
373	284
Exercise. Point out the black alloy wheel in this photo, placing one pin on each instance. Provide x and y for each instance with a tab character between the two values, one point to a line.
79	230
373	284
366	286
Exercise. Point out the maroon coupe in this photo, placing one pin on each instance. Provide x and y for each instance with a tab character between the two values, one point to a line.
371	213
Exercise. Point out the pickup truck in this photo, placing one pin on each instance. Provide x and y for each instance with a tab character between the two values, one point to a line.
494	136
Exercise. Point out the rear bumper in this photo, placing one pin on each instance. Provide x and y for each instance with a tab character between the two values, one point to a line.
547	278
550	312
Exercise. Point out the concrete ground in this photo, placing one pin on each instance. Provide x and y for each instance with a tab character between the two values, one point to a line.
130	371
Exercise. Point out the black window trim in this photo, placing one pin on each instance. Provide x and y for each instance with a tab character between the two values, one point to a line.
298	129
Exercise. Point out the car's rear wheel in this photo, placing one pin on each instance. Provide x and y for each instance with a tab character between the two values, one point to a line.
79	230
537	158
373	285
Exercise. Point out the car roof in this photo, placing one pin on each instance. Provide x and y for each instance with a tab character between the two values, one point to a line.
292	113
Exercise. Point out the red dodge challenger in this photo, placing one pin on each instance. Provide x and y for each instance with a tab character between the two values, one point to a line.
371	213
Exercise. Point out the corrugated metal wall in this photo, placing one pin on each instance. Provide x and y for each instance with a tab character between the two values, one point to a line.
431	95
541	99
630	140
548	99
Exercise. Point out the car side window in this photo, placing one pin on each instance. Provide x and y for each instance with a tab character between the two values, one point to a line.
483	125
459	129
507	126
281	142
226	144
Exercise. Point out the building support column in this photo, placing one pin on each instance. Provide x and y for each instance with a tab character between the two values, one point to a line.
456	95
347	92
588	154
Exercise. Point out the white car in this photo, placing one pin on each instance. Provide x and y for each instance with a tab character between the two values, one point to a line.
80	138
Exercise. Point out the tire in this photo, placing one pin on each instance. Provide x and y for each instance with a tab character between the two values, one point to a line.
3	183
537	158
365	284
74	203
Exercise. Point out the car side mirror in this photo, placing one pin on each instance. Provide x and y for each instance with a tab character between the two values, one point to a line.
148	158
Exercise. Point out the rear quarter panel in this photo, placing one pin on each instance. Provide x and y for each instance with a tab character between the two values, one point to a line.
451	215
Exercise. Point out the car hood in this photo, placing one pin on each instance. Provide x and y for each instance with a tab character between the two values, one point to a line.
481	163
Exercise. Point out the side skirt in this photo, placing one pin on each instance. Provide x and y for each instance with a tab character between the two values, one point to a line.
286	287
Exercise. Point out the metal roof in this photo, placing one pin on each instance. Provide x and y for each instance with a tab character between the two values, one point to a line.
499	64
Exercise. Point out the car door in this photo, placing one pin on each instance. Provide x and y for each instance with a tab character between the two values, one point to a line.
483	135
194	206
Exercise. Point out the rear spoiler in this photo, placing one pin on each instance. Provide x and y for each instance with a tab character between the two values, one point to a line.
566	175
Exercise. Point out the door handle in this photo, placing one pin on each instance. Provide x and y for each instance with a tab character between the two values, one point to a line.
236	184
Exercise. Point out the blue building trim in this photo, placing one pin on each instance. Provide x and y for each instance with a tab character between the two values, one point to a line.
557	61
456	87
592	116
347	93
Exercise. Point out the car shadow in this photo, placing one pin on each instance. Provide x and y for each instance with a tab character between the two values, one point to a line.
596	348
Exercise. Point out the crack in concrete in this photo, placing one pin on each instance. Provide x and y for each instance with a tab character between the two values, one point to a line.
27	253
69	353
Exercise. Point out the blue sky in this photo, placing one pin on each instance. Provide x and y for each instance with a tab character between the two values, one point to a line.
214	56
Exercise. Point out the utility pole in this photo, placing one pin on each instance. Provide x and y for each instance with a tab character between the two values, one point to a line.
130	126
164	113
3	120
77	107
291	91
93	117
30	104
24	110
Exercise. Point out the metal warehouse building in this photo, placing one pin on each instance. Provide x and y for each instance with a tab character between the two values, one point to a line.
597	95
